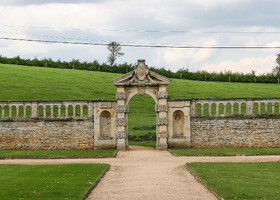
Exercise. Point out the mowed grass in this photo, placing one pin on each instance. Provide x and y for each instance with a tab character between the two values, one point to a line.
241	180
69	153
143	143
67	181
35	83
225	151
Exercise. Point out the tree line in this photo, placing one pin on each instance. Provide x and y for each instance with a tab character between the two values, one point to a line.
226	76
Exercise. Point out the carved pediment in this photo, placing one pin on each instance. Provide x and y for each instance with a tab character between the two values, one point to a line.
141	76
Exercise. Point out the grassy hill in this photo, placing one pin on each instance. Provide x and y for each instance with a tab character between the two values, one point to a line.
35	83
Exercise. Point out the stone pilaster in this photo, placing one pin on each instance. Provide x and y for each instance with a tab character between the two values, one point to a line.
162	120
121	109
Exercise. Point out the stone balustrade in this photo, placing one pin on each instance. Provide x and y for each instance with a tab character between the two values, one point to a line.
235	106
76	109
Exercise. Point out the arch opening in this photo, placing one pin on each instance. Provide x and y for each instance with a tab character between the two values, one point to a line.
142	120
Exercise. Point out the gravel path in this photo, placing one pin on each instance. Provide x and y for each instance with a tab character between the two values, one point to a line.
144	173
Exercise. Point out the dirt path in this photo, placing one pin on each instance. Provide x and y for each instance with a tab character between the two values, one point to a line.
143	173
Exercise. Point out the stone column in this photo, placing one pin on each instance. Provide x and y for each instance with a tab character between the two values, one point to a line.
121	110
249	108
162	120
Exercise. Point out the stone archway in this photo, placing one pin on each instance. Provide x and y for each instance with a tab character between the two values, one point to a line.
141	81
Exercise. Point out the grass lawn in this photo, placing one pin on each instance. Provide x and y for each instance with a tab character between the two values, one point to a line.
241	180
68	181
225	151
56	153
36	83
144	143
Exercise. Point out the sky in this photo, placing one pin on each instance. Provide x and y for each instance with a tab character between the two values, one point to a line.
148	22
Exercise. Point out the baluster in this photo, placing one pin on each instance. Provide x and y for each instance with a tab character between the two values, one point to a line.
74	110
66	111
232	108
202	109
51	111
82	110
217	109
3	111
266	108
44	111
239	108
17	113
24	111
59	110
10	110
273	108
225	108
210	109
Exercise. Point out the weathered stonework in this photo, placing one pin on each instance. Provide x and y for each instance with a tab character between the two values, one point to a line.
121	134
120	96
235	132
122	109
163	95
40	134
141	81
161	108
162	121
162	135
121	122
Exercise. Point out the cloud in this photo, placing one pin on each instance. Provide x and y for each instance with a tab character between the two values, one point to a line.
36	2
200	19
245	65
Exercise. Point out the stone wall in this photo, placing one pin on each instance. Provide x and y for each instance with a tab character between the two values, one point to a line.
235	132
233	122
45	134
99	124
56	124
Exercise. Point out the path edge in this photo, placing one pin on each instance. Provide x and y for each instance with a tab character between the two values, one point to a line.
54	158
95	184
203	183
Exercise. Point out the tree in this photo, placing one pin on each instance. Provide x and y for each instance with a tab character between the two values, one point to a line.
115	51
276	69
278	59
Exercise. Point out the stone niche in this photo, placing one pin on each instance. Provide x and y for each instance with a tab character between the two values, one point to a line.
179	134
105	125
178	123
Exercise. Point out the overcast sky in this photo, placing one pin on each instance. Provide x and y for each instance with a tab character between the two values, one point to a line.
161	22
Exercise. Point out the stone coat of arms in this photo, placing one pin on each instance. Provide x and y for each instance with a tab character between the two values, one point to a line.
141	71
142	74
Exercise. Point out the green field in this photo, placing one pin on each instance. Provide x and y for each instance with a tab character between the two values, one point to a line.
69	153
67	181
225	151
241	180
35	83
